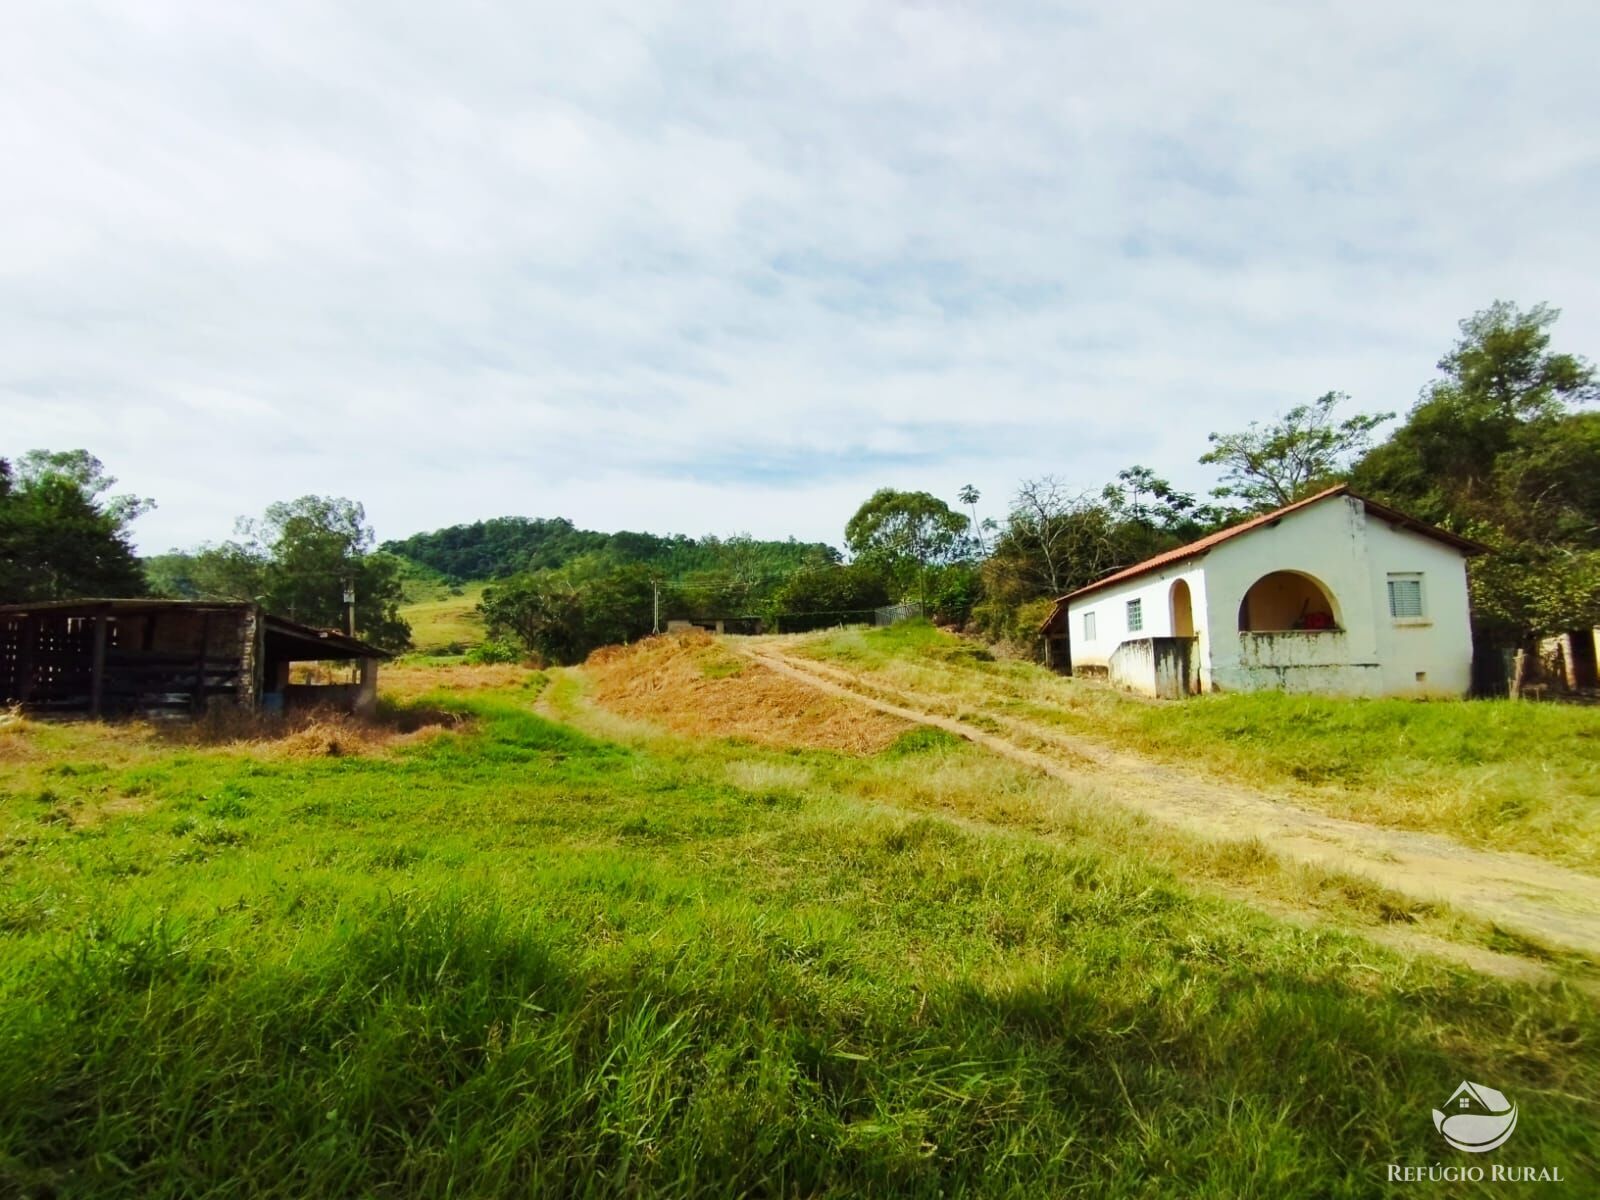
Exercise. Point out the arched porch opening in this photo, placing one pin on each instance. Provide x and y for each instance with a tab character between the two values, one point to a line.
1287	600
1182	609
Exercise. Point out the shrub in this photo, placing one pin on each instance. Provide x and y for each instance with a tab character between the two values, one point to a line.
495	651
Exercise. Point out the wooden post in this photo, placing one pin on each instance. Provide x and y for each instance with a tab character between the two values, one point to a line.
366	701
97	675
1522	671
198	701
29	636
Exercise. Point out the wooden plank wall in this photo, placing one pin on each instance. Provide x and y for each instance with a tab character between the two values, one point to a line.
156	661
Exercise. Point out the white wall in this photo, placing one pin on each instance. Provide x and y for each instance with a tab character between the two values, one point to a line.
1350	557
1439	643
1110	609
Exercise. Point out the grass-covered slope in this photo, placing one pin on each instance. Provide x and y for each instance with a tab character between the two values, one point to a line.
1502	774
445	618
514	960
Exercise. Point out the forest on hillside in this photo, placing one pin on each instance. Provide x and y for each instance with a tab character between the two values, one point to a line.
503	546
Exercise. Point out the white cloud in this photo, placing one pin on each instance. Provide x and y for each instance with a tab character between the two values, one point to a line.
722	267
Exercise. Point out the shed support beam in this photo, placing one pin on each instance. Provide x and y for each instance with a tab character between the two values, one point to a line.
29	636
97	674
199	700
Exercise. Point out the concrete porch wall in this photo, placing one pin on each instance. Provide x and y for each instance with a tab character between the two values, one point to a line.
1155	666
1298	661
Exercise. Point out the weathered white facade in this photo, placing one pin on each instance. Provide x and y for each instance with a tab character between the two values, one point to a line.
1335	594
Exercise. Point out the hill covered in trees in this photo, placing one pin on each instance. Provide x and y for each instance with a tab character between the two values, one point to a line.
505	546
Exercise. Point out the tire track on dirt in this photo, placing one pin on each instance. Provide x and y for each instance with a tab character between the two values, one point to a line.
1521	893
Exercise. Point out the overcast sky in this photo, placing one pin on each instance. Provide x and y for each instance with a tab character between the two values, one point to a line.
718	268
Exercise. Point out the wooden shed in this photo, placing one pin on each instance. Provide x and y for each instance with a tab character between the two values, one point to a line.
172	657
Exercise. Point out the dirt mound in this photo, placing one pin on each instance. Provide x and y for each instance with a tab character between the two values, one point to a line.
691	684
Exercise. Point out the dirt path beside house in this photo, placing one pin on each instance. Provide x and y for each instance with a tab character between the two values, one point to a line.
1520	893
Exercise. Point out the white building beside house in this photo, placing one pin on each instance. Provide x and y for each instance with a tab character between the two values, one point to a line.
1335	593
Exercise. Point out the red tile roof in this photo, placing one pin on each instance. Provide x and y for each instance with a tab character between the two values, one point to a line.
1194	549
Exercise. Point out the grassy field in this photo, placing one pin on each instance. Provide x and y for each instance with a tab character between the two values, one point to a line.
444	618
1498	774
508	958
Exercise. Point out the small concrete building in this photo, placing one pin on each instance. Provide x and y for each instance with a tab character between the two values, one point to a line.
1334	594
173	657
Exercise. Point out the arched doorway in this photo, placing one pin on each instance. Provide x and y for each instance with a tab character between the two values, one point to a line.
1287	600
1182	610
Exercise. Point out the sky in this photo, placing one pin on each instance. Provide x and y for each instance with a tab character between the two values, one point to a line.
707	268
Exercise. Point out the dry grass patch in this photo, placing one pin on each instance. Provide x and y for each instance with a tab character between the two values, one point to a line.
316	733
93	812
691	684
27	740
15	744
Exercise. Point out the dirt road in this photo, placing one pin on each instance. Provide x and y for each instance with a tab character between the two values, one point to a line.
1554	904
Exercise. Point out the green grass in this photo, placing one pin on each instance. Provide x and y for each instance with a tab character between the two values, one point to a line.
445	618
1500	774
522	961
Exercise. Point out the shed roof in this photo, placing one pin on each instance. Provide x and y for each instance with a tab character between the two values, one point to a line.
316	643
322	643
1196	548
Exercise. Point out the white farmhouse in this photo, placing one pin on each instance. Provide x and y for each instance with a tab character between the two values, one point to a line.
1335	593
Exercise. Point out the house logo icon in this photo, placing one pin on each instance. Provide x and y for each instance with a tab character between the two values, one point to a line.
1476	1118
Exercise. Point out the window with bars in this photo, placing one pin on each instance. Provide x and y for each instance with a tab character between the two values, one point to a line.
1088	627
1405	597
1135	615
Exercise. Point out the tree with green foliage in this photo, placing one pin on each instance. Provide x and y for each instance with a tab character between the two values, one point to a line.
61	535
903	534
314	547
1054	538
499	547
970	496
826	594
1057	538
229	570
506	546
1304	450
297	560
1496	449
1153	516
560	615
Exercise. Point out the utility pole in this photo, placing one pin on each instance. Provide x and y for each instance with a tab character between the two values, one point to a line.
655	606
350	607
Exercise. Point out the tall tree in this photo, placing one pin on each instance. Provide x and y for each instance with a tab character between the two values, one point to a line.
297	560
970	496
316	546
1497	449
1056	538
1167	516
1303	450
61	535
905	533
